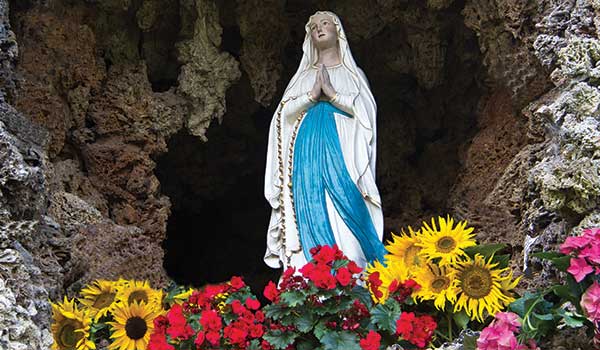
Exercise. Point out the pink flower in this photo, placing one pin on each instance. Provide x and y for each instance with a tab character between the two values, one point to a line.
497	337
591	232
579	268
591	252
590	302
510	319
574	242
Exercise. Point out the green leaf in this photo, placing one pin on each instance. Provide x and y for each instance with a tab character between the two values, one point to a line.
363	295
254	345
386	315
187	344
340	340
305	345
320	329
547	255
543	317
293	298
280	339
503	260
461	319
306	322
276	311
470	342
562	263
339	263
487	250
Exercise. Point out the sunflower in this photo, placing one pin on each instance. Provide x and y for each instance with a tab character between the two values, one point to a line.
403	249
447	242
70	327
133	325
482	288
99	297
387	274
437	283
139	291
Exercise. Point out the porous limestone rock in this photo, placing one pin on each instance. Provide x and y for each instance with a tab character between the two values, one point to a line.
109	251
264	35
207	72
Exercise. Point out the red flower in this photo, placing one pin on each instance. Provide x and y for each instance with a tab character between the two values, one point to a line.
289	272
213	338
252	304
260	316
236	333
160	324
353	268
404	325
307	269
199	339
371	342
264	345
178	324
319	274
343	276
417	330
237	283
326	254
374	283
237	307
158	341
210	321
271	292
256	330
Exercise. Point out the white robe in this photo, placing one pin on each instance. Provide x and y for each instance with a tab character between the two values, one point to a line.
357	141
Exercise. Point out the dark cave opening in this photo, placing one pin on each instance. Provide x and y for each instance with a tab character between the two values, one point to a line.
219	216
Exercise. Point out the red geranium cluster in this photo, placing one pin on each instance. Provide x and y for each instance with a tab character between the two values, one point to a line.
371	342
223	316
322	272
417	330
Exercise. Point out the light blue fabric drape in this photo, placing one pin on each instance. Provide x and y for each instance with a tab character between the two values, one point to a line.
318	167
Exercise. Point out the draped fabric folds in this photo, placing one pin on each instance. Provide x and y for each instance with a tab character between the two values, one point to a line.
319	170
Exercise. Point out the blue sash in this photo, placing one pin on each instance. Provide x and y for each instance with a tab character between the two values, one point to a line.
318	167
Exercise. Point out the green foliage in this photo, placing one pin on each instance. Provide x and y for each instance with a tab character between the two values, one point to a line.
385	315
490	251
280	339
560	260
340	340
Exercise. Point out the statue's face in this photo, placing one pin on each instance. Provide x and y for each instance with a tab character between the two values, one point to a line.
323	31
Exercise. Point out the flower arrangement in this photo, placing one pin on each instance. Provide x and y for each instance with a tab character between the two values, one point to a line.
120	313
433	283
574	300
222	316
460	282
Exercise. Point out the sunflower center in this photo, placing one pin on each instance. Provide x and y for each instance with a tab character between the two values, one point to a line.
67	336
139	296
445	244
440	283
411	255
476	282
135	327
104	300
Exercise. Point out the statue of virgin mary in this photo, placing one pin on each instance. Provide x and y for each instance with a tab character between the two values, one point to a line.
320	172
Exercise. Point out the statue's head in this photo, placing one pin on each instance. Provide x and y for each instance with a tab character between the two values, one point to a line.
323	30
